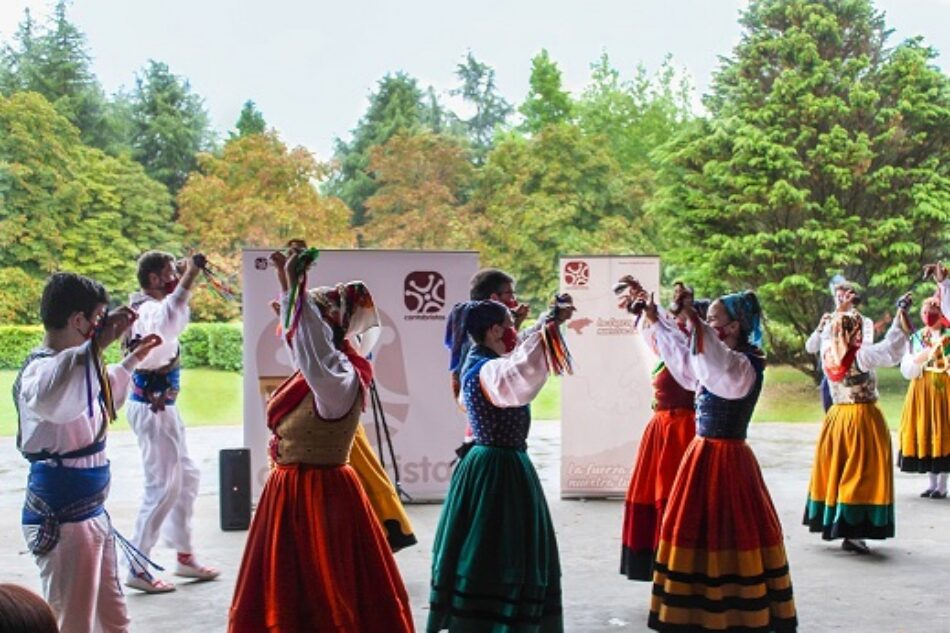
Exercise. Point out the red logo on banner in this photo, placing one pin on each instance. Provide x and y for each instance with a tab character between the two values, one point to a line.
576	274
424	292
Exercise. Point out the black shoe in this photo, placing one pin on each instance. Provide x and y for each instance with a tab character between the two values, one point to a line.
858	547
929	493
936	494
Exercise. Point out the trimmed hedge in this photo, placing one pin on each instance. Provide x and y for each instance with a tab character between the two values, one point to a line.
214	345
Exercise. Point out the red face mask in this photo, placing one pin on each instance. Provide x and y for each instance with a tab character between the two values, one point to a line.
511	304
510	339
170	286
931	319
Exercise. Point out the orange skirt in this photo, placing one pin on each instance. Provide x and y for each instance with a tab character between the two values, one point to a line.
316	559
720	564
664	441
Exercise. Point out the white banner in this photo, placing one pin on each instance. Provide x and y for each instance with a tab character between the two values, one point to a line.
607	402
414	292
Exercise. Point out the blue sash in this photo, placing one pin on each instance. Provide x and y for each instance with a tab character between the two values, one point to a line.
158	390
57	495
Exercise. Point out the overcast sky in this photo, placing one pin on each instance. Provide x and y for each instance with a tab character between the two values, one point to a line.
309	65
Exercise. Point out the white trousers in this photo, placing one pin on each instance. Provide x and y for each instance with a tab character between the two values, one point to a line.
171	479
80	578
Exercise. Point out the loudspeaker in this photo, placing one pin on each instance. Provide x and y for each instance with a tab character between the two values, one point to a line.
235	494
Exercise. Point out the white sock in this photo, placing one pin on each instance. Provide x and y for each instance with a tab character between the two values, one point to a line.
933	481
942	484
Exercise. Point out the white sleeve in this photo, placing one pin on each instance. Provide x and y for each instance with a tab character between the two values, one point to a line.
885	353
528	331
673	347
328	372
910	368
120	377
867	329
813	343
54	388
515	380
725	372
945	297
168	317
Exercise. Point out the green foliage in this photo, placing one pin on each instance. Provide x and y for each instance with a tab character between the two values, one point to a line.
824	151
19	296
214	345
66	206
557	192
53	60
398	105
546	103
491	109
169	125
251	121
225	347
16	341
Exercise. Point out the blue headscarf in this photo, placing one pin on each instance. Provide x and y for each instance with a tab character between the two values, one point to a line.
470	318
744	308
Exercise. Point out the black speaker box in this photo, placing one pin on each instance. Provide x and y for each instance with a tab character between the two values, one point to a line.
235	495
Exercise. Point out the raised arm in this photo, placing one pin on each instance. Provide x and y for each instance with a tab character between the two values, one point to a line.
515	380
327	370
885	353
672	344
725	372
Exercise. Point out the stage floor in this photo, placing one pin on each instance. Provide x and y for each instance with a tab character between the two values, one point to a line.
896	589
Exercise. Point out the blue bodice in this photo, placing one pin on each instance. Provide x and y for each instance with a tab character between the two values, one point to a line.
718	417
491	426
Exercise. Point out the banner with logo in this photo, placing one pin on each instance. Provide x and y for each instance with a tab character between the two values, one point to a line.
414	292
607	402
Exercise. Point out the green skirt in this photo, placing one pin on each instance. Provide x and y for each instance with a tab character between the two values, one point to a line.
495	563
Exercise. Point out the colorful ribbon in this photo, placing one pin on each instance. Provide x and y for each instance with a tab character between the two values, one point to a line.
556	353
298	289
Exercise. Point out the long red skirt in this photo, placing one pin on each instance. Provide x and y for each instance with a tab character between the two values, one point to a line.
721	563
664	441
316	559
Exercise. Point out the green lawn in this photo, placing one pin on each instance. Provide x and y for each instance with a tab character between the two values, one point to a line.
210	397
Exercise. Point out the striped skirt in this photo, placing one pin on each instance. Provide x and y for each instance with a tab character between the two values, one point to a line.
851	494
925	425
721	563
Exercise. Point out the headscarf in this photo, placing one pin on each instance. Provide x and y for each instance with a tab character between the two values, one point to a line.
846	338
744	308
350	309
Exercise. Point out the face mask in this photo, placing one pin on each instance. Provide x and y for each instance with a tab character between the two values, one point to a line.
511	304
722	333
931	319
510	339
170	286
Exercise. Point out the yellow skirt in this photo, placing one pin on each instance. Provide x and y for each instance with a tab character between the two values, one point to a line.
851	494
925	425
382	494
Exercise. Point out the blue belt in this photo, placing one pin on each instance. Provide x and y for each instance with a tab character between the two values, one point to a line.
158	390
57	495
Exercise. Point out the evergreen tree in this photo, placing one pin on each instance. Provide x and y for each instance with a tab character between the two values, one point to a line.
251	121
169	125
824	152
491	109
546	102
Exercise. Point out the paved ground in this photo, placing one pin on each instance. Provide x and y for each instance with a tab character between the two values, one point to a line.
898	589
